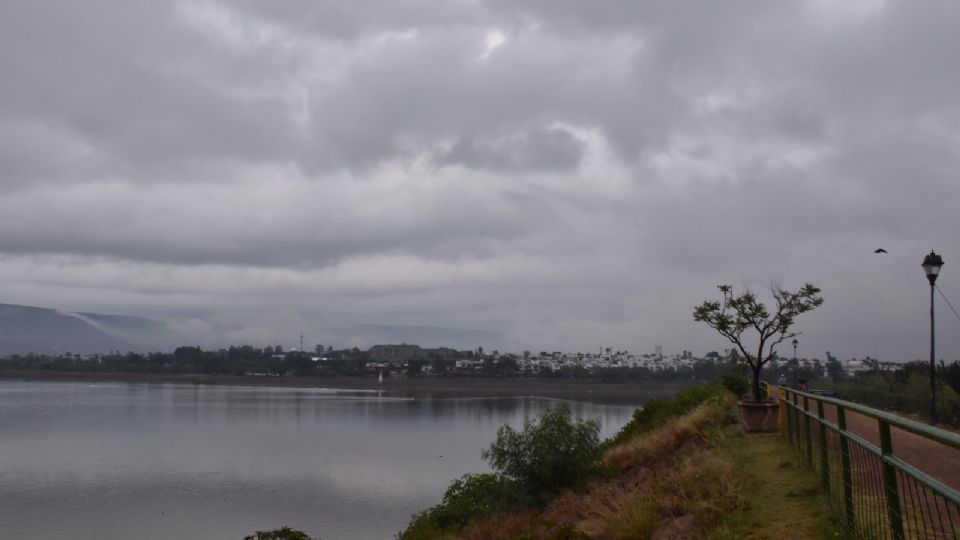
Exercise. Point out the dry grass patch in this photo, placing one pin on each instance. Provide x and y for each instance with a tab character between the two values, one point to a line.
658	444
698	486
521	526
502	527
621	515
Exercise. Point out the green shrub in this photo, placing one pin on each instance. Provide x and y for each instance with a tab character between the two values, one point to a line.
283	533
548	455
554	453
474	496
736	384
421	528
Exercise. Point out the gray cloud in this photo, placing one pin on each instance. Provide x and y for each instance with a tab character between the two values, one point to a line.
569	175
537	149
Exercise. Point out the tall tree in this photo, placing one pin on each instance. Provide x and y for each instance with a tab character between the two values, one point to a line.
737	318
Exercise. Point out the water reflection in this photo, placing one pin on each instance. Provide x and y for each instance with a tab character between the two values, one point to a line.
113	460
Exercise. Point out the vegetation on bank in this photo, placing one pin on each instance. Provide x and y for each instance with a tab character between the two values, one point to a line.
276	362
678	469
905	390
656	412
533	465
283	533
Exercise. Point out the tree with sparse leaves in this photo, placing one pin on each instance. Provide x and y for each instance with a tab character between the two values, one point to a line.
736	317
283	533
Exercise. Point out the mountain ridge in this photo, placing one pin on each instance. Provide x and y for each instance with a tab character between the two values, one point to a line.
41	330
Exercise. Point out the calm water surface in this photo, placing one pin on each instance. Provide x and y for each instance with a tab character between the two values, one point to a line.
161	461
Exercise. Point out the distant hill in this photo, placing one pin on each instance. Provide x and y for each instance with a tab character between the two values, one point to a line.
25	329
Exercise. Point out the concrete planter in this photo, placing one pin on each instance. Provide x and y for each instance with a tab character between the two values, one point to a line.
763	416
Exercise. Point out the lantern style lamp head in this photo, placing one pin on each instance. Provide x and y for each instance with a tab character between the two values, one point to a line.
931	266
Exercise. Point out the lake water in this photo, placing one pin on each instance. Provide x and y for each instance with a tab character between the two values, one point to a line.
160	461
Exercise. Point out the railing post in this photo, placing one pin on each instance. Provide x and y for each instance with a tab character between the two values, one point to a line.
847	472
806	426
890	482
790	428
824	467
781	409
796	419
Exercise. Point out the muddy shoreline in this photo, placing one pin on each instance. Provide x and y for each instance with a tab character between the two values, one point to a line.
574	389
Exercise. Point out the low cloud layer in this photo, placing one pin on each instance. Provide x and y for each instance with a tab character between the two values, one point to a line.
567	175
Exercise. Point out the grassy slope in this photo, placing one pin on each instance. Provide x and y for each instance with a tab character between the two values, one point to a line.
696	476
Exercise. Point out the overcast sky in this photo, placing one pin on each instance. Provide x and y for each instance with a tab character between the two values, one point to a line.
571	174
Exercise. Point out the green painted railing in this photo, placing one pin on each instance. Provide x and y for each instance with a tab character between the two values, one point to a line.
874	491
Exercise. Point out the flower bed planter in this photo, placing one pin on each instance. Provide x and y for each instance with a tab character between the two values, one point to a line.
763	416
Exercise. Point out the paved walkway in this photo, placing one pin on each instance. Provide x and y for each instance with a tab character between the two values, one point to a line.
937	460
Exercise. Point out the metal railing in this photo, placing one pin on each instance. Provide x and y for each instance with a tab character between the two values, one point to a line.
874	491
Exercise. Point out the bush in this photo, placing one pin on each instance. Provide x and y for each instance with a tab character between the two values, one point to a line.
556	452
474	496
736	384
421	528
283	533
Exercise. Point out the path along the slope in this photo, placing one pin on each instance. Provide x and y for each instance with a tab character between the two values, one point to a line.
933	458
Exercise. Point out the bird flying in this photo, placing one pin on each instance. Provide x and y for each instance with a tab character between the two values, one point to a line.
880	250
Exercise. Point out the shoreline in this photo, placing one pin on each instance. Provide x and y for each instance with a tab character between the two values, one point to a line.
572	389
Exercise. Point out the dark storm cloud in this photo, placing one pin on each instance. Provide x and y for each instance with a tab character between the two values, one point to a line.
567	172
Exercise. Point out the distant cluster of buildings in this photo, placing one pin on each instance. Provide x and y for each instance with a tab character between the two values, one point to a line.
392	356
556	361
849	368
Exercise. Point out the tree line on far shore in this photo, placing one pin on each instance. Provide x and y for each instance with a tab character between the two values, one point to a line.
906	389
327	362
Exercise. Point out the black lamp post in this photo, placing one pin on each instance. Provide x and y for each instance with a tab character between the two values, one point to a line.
931	267
795	365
